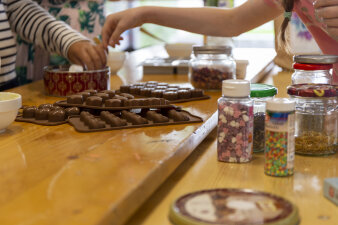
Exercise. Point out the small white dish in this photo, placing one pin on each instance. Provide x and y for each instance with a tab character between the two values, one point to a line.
179	50
10	103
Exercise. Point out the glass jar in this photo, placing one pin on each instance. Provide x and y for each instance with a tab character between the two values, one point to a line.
210	65
313	69
316	118
260	93
235	122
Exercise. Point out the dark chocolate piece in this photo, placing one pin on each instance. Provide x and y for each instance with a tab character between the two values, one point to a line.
125	88
133	118
197	93
56	107
146	92
121	98
129	96
94	101
135	90
75	99
184	94
177	116
112	120
113	103
95	124
91	91
161	88
42	114
111	93
29	112
85	95
104	96
154	101
72	111
170	95
171	89
157	93
156	117
49	106
57	115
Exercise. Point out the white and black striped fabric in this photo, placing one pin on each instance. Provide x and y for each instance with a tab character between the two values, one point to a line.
33	24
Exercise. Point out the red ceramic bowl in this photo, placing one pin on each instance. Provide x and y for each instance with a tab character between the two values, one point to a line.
60	82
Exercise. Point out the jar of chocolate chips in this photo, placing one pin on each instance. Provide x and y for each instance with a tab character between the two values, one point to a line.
260	93
235	122
316	126
210	65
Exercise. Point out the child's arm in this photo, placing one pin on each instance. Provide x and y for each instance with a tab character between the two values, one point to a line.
209	21
34	24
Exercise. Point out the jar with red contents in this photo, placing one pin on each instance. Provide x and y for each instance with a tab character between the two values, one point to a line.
313	69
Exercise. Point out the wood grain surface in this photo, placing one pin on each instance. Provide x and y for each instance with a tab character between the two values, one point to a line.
55	175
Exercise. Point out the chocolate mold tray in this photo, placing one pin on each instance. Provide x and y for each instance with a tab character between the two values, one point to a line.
46	114
105	101
172	93
87	122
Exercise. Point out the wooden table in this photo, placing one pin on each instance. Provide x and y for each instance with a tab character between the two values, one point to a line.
201	170
55	175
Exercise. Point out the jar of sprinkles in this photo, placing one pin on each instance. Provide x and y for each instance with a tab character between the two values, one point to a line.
316	119
210	65
313	69
279	137
260	93
235	122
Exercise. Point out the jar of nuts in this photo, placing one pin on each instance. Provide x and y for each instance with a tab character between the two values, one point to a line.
210	65
316	125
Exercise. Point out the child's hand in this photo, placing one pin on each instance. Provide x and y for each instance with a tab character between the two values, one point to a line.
119	22
85	53
327	10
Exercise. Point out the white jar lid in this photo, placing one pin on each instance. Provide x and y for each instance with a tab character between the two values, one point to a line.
236	88
280	105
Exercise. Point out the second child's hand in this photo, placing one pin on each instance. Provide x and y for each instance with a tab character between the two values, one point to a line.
327	11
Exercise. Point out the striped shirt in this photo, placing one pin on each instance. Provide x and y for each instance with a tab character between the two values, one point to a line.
35	25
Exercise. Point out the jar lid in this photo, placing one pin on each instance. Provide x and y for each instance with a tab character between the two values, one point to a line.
316	59
262	90
212	49
232	206
235	88
312	90
300	66
280	105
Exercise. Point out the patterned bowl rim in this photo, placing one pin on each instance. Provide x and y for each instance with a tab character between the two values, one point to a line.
64	69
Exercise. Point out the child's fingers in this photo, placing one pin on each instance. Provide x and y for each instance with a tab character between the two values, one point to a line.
101	53
322	3
94	61
327	12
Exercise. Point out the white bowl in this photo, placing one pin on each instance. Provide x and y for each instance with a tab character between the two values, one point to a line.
10	103
115	61
179	50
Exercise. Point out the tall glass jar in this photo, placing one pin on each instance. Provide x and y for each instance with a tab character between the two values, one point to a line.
313	69
235	122
210	65
260	93
316	118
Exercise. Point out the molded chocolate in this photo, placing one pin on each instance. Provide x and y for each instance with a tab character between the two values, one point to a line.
104	96
135	90
128	96
170	95
94	101
72	111
113	103
111	93
157	93
146	92
197	93
95	123
91	91
57	115
184	94
133	118
29	112
125	88
42	114
177	116
49	106
156	117
75	99
85	95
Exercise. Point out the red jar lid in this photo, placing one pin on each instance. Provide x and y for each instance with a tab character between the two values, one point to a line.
300	66
312	90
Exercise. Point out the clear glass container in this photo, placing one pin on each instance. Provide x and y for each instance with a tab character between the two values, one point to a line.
313	69
210	65
260	93
235	122
316	124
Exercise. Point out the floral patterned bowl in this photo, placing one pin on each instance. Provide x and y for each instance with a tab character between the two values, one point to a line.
59	81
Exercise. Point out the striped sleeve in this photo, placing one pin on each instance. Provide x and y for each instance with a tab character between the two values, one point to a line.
34	24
